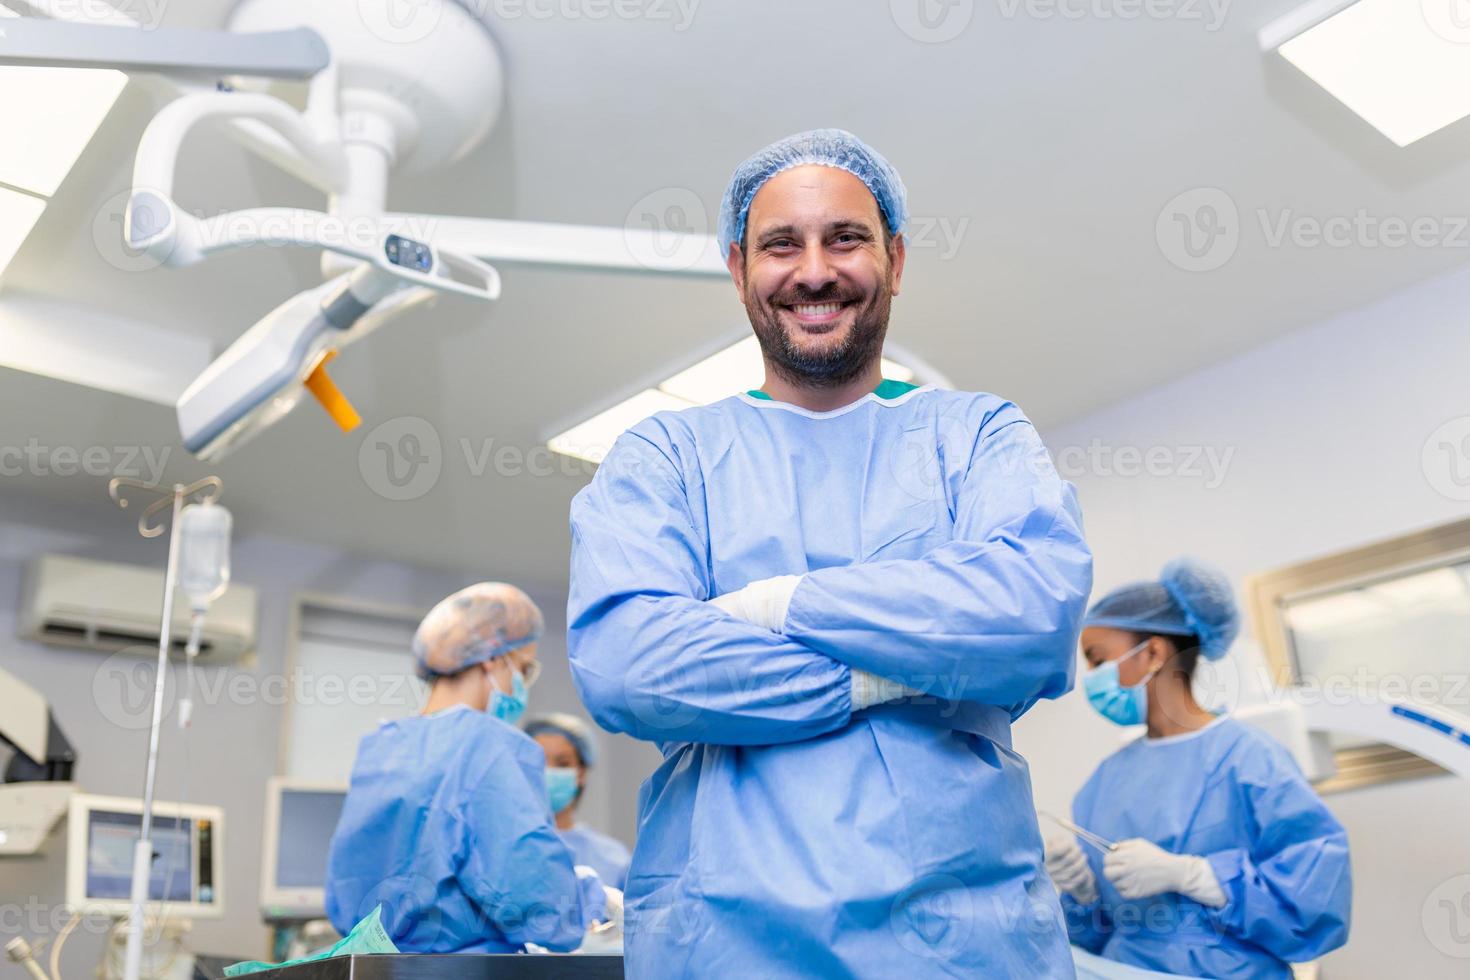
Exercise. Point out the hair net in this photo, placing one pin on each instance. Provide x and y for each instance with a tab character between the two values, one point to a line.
827	147
475	624
1190	599
570	727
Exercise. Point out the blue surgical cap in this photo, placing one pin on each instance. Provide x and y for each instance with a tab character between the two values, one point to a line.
825	147
476	624
570	727
1190	599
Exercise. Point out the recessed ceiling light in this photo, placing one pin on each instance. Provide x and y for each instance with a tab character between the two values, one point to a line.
18	215
1402	65
591	440
49	116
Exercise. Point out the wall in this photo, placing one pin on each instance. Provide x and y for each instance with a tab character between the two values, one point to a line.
1325	433
233	746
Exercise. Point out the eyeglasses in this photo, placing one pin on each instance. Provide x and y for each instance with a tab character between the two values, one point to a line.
530	672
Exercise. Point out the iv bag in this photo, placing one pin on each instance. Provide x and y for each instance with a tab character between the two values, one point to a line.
204	553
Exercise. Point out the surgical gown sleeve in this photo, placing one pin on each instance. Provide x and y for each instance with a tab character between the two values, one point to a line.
649	656
516	866
1291	892
992	615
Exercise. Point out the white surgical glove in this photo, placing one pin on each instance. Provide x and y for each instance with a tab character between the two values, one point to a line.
763	603
870	689
1069	869
613	924
1141	869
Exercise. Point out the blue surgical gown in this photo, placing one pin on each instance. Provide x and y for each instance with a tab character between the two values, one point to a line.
446	824
786	835
1230	794
606	855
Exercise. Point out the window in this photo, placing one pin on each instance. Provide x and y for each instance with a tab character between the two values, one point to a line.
351	668
1392	617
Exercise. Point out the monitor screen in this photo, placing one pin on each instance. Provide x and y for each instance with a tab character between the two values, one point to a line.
308	819
185	874
110	840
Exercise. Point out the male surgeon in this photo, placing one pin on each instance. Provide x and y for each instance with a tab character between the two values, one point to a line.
826	600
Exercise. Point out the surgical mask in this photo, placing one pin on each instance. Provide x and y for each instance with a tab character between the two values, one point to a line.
561	787
509	707
1109	698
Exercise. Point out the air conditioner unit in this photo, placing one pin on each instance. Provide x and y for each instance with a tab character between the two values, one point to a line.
110	608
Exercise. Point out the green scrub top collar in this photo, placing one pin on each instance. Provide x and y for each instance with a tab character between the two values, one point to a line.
886	390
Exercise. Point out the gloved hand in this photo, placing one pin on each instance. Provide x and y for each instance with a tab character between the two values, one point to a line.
870	689
762	603
612	925
1069	869
1141	869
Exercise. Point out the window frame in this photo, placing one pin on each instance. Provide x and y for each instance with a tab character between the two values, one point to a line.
1270	593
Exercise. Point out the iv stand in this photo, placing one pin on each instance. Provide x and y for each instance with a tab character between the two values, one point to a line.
174	497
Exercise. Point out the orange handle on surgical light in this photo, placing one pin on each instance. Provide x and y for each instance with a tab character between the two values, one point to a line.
320	384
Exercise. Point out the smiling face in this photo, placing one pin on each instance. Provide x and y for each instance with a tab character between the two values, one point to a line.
817	274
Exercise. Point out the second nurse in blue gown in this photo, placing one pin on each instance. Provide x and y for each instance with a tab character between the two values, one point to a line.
1226	863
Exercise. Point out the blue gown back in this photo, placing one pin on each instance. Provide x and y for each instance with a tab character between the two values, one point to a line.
447	825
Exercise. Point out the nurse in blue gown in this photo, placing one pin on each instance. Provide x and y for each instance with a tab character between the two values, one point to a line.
446	822
571	750
1227	864
826	600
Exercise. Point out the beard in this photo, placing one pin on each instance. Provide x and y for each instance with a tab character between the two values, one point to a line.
830	367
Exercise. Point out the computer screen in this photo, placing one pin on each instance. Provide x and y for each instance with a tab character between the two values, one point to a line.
300	819
184	873
308	818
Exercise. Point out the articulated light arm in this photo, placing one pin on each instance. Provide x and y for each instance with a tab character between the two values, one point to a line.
565	246
156	225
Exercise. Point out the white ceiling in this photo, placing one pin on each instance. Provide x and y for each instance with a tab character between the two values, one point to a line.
1054	143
